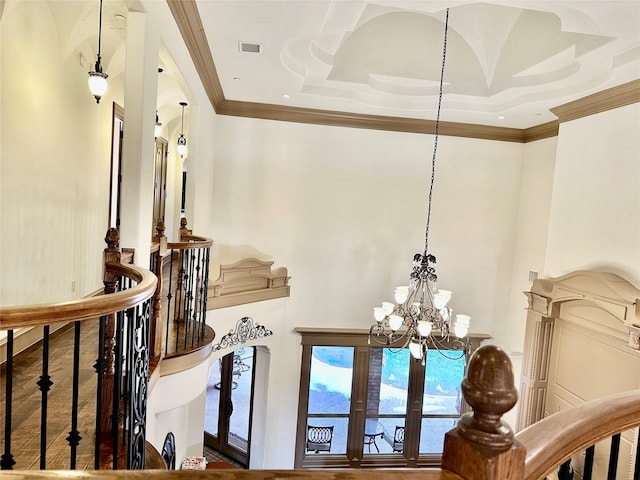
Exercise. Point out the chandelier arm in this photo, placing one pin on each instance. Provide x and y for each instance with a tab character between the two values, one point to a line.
437	131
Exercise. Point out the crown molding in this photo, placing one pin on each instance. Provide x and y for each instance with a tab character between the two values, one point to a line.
187	17
372	122
538	132
614	97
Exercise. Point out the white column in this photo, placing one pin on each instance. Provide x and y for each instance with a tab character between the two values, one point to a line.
140	97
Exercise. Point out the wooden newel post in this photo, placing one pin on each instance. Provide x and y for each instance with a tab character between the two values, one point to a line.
482	447
184	231
111	255
156	330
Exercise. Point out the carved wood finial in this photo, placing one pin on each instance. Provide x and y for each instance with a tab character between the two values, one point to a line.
482	447
183	223
490	391
160	228
111	254
112	238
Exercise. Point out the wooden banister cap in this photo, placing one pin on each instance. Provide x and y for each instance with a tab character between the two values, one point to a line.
490	391
482	447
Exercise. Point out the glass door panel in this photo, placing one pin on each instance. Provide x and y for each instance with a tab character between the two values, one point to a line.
441	404
386	400
329	399
241	392
212	403
228	405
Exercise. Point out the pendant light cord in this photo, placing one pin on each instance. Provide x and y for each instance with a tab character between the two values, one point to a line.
437	129
100	31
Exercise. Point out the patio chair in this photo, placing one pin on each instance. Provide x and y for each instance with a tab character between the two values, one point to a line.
398	439
319	438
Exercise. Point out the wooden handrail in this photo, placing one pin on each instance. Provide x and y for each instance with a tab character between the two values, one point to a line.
85	308
190	241
558	437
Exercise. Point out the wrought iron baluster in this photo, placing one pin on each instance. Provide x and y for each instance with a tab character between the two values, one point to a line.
119	393
7	462
188	281
139	352
198	293
565	472
588	462
169	309
613	457
100	367
636	468
74	435
179	305
45	385
205	291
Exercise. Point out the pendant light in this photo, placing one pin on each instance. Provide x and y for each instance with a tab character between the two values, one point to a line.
420	318
97	78
182	141
158	126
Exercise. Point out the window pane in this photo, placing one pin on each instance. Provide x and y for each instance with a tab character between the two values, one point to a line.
443	377
432	434
330	380
320	439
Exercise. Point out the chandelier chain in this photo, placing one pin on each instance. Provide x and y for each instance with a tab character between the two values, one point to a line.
437	131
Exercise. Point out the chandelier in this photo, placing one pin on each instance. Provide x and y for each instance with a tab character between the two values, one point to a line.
421	318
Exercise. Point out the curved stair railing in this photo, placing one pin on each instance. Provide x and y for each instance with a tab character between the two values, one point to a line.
105	414
181	296
553	440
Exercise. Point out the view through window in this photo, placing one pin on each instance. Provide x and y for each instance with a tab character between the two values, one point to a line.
397	391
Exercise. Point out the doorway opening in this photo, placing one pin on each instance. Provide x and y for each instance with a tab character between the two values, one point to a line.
229	405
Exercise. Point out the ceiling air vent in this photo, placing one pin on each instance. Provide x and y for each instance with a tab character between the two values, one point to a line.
250	47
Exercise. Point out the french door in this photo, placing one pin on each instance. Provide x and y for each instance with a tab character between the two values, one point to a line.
229	404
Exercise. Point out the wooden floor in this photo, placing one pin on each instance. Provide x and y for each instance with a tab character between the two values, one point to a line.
26	414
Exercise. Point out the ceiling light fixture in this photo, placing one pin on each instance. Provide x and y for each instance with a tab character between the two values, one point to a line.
420	319
158	127
182	141
97	78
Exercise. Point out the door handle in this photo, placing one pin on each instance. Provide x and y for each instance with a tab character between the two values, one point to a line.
228	407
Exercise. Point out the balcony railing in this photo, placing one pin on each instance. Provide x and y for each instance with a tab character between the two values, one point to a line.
105	414
181	296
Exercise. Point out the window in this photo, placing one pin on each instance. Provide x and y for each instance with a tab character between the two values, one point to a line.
379	407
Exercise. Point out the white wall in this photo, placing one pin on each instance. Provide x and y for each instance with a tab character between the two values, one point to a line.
344	210
54	171
595	210
530	243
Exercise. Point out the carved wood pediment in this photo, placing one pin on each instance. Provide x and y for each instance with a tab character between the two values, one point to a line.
244	279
